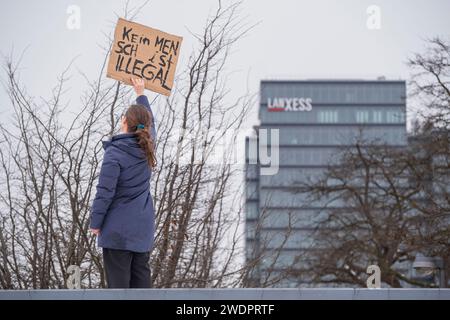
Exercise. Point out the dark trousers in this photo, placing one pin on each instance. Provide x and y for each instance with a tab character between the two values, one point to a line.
126	269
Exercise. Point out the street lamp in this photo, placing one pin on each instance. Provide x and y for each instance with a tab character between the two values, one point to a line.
426	269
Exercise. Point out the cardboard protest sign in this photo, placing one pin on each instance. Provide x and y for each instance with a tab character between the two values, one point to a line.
147	53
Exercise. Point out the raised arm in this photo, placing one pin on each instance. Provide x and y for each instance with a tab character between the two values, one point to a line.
142	99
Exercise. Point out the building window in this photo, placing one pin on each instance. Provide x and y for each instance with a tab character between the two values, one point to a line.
327	116
252	210
395	117
362	116
377	116
252	190
349	97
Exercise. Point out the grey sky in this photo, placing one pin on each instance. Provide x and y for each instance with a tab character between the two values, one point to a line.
295	39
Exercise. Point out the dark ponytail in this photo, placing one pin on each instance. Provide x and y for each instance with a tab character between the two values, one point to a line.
139	120
147	145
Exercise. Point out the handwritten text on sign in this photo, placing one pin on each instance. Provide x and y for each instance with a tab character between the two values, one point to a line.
140	51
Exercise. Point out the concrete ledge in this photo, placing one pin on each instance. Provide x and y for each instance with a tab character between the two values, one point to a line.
228	294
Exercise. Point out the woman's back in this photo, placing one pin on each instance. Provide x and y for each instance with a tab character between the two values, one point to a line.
122	214
129	222
123	207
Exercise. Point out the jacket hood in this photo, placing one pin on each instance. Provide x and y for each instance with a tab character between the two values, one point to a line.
126	142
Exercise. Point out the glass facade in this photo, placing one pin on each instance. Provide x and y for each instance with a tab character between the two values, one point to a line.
310	139
336	135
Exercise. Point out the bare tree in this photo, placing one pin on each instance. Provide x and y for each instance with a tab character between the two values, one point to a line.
384	205
50	167
430	83
368	219
49	170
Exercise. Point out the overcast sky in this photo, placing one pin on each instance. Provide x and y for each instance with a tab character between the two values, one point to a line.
294	39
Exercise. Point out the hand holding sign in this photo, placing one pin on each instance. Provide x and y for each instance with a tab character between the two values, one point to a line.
139	86
143	52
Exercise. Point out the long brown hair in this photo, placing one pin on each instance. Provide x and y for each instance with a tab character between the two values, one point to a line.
137	115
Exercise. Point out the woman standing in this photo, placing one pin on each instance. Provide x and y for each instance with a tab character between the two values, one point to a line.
122	214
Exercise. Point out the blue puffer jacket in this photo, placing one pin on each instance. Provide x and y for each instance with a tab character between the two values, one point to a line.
123	207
